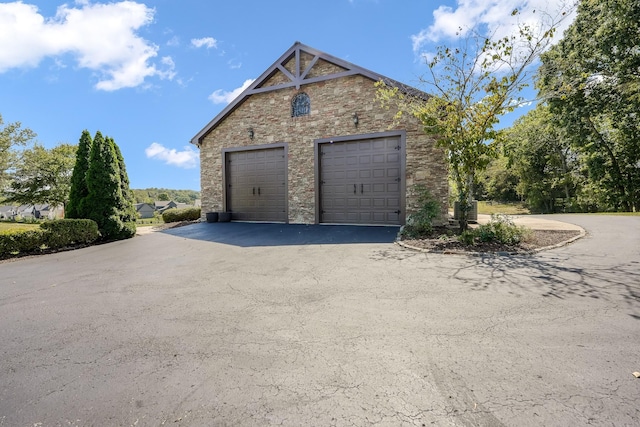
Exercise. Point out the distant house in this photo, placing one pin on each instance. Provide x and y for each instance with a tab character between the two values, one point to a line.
145	210
38	211
163	205
46	211
7	212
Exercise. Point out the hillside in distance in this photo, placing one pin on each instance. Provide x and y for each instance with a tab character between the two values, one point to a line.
150	195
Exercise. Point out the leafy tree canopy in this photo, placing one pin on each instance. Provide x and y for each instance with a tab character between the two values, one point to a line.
591	81
12	135
42	175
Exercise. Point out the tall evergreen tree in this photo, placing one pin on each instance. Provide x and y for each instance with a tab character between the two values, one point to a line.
105	194
127	204
79	190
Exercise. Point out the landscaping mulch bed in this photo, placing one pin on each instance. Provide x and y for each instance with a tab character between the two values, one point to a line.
444	240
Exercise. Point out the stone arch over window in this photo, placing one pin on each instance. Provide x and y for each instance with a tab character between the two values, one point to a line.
300	105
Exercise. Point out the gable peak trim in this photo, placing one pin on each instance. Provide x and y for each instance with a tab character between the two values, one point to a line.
298	78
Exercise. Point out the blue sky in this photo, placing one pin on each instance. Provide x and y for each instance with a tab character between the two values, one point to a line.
152	73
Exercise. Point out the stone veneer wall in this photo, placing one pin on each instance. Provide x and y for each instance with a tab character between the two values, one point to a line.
333	103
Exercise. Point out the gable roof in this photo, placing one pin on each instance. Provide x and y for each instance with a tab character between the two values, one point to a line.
300	77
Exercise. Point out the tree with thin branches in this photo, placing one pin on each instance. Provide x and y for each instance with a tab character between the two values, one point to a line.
473	83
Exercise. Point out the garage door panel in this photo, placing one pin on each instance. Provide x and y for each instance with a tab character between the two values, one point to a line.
373	179
379	159
392	172
393	157
256	184
379	173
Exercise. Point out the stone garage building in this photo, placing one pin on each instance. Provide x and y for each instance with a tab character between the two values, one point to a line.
308	143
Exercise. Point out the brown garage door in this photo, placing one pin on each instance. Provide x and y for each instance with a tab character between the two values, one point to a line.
360	181
256	189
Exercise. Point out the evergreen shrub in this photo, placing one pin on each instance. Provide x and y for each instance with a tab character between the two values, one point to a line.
26	241
51	235
66	232
184	214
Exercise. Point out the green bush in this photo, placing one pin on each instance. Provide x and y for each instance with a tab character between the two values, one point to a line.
500	229
468	237
420	222
51	235
115	228
15	242
67	232
177	215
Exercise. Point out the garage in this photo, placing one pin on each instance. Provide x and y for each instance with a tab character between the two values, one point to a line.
360	181
256	184
307	143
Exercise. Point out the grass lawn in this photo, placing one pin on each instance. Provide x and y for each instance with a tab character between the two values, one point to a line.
148	222
619	213
17	226
489	207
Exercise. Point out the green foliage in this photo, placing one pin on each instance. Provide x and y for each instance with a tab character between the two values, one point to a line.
42	175
543	160
185	214
67	232
500	229
78	190
420	221
20	242
126	204
51	235
591	82
12	135
497	182
108	202
103	185
467	237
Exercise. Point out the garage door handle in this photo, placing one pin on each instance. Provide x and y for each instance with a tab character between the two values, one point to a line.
258	191
354	189
361	188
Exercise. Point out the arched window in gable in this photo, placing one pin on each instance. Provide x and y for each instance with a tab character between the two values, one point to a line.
300	105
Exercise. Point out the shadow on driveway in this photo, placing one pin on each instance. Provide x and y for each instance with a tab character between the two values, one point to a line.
245	234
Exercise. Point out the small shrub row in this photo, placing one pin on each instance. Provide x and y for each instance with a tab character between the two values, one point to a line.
500	229
51	235
177	215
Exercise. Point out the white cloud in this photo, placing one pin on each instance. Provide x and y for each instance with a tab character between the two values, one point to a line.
100	37
223	97
187	159
208	42
173	41
494	16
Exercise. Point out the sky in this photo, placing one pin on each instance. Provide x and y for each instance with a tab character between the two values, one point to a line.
152	73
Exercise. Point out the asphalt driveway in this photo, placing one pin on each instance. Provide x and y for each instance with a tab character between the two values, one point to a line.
182	328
